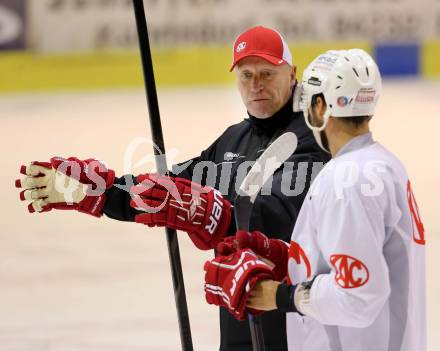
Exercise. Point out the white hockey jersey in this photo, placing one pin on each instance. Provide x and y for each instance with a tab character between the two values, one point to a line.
359	232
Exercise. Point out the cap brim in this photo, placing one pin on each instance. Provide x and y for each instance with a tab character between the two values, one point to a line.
269	58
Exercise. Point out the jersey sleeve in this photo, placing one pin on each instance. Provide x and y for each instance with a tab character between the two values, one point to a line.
117	205
351	235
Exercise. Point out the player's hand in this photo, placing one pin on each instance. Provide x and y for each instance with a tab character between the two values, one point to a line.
180	204
274	250
229	280
264	295
65	184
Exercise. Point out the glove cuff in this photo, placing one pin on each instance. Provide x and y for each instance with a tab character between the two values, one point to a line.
294	298
285	298
92	205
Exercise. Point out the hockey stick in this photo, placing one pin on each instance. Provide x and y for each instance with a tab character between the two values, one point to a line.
161	164
264	167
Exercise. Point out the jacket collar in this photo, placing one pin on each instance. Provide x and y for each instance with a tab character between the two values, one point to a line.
356	143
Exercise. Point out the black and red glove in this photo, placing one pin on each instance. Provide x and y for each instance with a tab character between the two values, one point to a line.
65	184
275	250
180	204
230	279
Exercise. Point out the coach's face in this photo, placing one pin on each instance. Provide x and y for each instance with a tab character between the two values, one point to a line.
264	87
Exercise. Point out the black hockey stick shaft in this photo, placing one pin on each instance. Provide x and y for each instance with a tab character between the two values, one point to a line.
242	213
161	163
256	326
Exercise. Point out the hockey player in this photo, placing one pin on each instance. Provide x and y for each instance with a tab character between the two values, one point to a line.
355	268
266	79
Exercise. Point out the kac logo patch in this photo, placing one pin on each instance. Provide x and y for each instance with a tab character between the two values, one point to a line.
350	272
241	46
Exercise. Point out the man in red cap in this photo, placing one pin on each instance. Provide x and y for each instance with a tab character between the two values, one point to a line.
265	74
266	80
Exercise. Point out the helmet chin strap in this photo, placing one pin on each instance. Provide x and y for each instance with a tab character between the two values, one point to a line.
318	130
318	139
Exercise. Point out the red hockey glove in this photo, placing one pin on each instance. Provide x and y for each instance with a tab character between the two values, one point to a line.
274	250
230	279
227	246
180	204
65	184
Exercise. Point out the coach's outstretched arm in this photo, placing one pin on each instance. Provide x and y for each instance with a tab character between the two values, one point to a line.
88	186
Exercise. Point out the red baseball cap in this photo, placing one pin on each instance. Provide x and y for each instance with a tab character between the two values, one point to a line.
262	42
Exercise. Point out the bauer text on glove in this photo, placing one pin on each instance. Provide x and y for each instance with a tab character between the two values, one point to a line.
230	279
180	204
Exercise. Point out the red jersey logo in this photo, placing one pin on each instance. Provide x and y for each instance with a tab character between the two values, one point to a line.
417	225
297	253
350	272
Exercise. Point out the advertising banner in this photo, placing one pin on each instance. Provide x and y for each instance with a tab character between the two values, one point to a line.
63	25
12	24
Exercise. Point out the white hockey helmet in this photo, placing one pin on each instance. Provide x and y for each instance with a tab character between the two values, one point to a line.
350	82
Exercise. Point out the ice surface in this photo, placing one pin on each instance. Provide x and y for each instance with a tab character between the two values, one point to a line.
70	282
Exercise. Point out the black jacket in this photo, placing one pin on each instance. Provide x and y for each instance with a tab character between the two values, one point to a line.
274	212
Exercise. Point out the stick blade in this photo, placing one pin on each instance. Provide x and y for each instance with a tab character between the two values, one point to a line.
270	160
